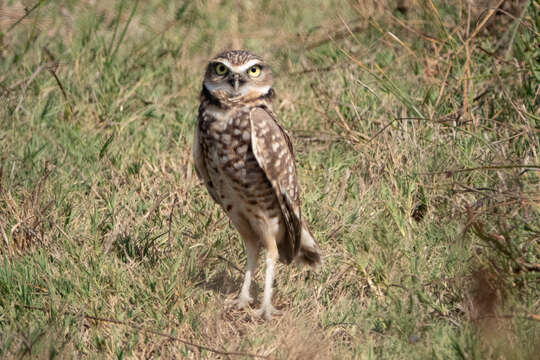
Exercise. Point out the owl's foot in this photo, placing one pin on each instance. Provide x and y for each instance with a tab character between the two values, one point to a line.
266	312
241	302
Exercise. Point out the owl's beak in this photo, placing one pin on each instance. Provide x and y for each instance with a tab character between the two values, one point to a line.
235	82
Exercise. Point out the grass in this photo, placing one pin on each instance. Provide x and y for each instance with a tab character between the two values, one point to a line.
416	129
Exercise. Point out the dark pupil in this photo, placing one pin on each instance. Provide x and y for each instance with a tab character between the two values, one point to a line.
253	69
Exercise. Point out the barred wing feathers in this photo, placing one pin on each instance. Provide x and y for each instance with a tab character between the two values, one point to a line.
274	153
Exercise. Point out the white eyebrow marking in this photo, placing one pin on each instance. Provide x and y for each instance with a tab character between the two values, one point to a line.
224	62
244	67
239	68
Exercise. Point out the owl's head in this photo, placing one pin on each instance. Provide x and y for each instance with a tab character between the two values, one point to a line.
237	74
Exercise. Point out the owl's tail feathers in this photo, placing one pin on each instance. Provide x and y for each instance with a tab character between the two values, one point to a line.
309	252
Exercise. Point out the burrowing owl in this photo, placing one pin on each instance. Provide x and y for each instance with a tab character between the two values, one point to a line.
246	161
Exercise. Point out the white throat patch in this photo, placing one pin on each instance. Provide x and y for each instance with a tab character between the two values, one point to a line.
244	89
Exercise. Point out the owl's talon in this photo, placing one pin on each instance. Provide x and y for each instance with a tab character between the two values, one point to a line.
266	312
240	302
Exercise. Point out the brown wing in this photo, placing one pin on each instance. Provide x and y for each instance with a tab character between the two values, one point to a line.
200	163
274	153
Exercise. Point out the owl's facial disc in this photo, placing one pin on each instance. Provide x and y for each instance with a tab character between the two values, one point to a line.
226	80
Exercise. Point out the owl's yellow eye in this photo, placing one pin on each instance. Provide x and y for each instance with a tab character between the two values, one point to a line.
221	69
254	71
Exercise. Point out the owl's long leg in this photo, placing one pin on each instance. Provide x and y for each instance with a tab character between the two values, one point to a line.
252	251
252	247
267	309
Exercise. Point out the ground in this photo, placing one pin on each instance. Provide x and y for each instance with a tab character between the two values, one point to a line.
416	128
